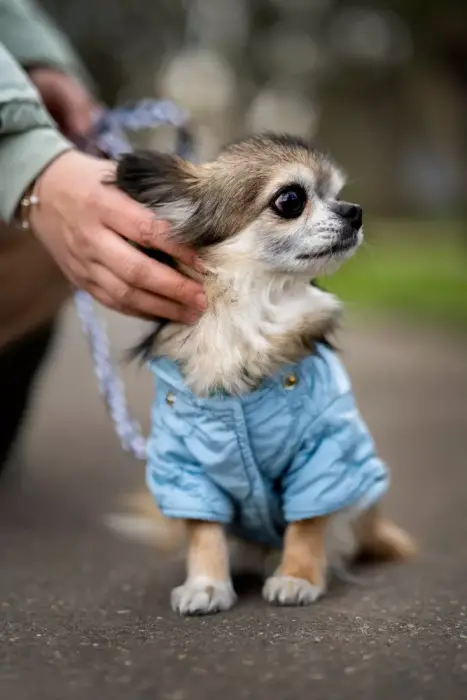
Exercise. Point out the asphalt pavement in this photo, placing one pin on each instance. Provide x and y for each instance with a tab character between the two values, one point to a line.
86	615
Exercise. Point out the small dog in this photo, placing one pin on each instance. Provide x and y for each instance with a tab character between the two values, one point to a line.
255	430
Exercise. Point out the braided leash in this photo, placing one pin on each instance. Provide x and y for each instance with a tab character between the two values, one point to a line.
110	139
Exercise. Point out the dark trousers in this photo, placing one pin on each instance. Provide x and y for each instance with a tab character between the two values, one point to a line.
20	363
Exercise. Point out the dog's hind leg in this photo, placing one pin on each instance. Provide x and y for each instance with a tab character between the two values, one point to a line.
380	539
208	587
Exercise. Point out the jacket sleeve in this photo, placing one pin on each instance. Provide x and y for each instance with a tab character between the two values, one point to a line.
33	39
337	466
29	140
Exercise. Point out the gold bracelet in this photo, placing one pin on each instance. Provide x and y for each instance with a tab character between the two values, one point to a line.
28	201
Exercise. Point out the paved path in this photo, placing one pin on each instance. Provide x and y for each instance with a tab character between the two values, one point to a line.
86	616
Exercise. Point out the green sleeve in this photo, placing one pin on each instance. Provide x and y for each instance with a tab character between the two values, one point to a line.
29	140
32	37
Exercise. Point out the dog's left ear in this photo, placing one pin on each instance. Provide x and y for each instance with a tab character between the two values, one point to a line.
163	182
177	191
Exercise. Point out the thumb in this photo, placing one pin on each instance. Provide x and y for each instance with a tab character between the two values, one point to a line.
78	109
77	119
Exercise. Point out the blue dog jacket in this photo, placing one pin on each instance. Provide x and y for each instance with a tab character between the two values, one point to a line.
294	448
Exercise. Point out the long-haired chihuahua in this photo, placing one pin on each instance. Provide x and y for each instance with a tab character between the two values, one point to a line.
255	430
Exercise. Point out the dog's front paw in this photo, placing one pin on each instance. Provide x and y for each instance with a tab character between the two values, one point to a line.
201	596
287	590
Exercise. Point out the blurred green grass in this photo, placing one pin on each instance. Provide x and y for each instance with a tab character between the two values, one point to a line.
414	268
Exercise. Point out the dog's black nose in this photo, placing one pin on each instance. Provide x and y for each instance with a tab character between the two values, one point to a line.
352	213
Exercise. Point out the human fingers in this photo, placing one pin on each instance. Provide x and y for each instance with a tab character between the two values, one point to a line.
120	296
141	272
133	221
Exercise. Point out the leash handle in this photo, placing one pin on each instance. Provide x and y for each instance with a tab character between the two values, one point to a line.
110	139
108	134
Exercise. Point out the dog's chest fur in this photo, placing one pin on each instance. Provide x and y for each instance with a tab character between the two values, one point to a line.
256	322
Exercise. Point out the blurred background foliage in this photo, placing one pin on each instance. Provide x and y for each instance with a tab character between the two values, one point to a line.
382	84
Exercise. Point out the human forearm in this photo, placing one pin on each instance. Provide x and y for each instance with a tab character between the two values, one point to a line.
28	137
33	39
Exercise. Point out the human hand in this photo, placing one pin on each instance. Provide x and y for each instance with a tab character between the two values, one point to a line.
67	101
81	221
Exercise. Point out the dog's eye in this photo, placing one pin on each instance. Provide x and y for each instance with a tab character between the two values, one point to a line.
290	202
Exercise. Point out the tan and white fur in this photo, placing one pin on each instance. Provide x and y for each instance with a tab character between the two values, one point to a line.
266	221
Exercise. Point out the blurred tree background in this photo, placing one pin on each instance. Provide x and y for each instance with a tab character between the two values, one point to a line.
381	83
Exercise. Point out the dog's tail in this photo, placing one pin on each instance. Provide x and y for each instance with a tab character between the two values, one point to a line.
142	522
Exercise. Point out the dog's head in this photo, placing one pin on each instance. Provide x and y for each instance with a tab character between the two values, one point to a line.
270	199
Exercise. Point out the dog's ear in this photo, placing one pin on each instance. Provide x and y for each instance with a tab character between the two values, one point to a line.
179	192
163	182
